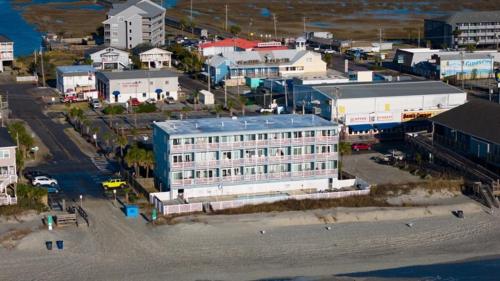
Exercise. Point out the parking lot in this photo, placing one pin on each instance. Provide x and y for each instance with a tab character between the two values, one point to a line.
364	165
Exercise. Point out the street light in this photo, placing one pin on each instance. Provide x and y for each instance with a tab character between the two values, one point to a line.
81	201
114	193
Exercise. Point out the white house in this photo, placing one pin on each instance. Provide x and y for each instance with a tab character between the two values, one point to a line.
6	51
121	86
72	76
156	58
109	58
8	176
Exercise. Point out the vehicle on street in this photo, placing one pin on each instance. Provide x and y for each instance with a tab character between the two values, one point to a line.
151	101
329	51
30	175
43	180
169	100
95	104
134	102
361	146
114	183
51	189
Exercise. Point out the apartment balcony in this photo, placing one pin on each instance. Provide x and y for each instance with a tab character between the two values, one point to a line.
327	139
303	157
326	156
279	159
182	182
182	165
207	180
255	160
207	164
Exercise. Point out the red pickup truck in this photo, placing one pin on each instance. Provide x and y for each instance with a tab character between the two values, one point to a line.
134	102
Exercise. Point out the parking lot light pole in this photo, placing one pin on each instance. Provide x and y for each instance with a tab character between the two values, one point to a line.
81	201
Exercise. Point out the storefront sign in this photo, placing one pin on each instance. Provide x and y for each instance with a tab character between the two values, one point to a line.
134	84
417	115
370	118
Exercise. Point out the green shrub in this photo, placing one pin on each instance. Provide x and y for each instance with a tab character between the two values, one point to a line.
145	108
28	198
113	109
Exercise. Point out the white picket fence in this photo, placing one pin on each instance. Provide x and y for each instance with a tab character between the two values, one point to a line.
26	79
182	208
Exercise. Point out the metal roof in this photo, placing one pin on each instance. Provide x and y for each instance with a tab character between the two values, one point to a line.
5	138
389	89
211	126
136	74
466	17
466	56
75	69
146	8
477	118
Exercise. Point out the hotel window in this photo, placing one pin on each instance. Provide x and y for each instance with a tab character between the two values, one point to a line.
187	141
297	135
320	165
227	155
261	152
177	175
250	153
249	170
308	134
274	168
251	137
226	172
4	154
275	151
260	169
297	150
262	136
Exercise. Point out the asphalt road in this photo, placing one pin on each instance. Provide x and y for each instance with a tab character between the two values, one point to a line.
68	164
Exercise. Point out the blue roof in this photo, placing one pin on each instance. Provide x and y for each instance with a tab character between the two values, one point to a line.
72	69
267	123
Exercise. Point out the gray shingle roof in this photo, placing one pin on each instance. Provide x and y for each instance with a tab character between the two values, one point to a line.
136	74
478	16
148	8
5	138
390	89
477	118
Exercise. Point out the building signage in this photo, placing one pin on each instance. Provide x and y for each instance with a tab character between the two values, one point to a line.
418	115
134	84
369	118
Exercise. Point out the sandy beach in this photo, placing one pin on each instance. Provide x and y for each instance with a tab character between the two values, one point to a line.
232	247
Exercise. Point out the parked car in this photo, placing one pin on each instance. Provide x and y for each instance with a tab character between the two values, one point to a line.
114	183
134	102
43	180
95	104
151	101
329	51
169	100
30	175
50	188
361	146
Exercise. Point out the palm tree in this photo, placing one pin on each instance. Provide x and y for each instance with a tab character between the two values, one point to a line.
148	161
218	110
196	100
133	158
344	149
122	142
230	106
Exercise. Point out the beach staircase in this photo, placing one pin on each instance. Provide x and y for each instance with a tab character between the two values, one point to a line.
486	193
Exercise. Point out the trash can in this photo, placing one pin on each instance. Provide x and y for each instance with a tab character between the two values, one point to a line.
48	244
132	211
60	244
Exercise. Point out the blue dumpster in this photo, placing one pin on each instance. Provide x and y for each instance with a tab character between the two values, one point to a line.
132	211
48	244
60	244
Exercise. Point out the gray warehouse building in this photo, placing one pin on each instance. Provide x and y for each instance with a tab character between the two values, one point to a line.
464	28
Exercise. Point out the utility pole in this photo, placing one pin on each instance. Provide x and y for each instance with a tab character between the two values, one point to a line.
462	71
209	78
275	30
304	19
380	45
43	71
191	9
418	41
225	25
225	94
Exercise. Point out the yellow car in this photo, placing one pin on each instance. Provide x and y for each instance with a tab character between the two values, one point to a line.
114	183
